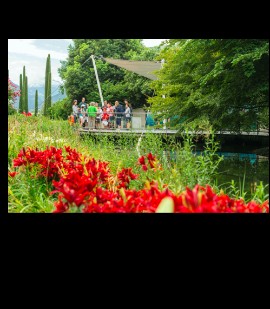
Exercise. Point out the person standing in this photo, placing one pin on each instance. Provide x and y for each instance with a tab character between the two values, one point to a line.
75	110
105	103
130	106
105	118
84	114
110	112
118	110
99	117
149	119
82	103
92	112
80	117
127	115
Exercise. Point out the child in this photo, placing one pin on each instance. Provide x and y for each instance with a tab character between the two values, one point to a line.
71	120
105	117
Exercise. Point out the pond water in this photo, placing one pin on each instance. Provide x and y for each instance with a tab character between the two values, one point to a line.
246	160
247	169
242	162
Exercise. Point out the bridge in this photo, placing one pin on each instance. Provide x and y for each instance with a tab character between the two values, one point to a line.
253	140
262	133
142	122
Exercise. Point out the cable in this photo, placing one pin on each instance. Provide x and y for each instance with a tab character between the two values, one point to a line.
50	95
86	61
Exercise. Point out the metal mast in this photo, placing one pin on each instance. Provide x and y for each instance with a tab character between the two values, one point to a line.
98	83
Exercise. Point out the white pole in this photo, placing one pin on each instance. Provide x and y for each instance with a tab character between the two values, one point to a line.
99	89
163	96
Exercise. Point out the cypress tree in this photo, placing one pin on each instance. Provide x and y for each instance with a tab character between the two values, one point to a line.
47	100
46	89
23	90
21	96
36	103
26	94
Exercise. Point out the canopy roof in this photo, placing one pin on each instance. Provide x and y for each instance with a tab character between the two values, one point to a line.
143	68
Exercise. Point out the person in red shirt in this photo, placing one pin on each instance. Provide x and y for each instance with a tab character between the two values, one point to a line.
110	111
105	117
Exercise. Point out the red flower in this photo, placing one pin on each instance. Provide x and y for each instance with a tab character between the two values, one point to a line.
87	185
144	167
141	160
152	162
27	114
265	206
60	206
12	174
125	176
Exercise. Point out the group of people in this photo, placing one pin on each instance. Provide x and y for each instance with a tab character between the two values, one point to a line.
93	116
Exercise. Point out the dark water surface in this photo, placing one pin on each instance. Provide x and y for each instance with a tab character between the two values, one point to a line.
246	161
245	169
242	165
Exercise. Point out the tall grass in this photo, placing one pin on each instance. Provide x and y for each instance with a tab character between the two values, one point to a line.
180	166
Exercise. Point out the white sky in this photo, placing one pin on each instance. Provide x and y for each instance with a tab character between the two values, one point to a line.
152	42
33	54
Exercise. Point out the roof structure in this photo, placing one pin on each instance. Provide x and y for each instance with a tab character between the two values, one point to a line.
143	68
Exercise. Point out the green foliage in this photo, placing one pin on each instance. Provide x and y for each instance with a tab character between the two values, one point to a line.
36	103
189	168
263	118
61	109
28	195
116	83
48	86
245	175
21	96
223	80
261	192
25	91
49	99
180	166
11	109
145	54
259	195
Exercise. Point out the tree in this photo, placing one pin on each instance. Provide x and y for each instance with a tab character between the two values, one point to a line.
47	95
116	83
222	80
23	90
49	99
61	109
25	100
13	93
21	96
36	103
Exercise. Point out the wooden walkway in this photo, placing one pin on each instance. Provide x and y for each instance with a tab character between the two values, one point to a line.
166	132
126	131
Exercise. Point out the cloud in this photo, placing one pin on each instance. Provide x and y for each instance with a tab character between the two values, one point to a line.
35	68
28	47
33	54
